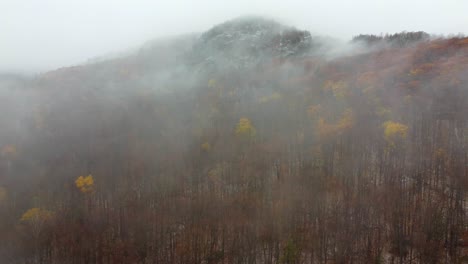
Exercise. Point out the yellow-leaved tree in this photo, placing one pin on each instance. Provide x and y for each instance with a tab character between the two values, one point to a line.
35	218
394	132
245	128
212	83
36	214
345	123
270	98
338	88
206	147
85	183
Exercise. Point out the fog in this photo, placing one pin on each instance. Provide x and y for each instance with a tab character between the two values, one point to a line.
145	132
36	36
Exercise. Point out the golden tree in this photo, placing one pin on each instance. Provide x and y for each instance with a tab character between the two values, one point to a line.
35	218
36	214
394	131
345	123
206	146
85	183
245	128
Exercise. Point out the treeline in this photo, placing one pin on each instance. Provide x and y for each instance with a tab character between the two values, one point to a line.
398	39
361	159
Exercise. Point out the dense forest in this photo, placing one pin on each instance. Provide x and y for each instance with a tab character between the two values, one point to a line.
253	142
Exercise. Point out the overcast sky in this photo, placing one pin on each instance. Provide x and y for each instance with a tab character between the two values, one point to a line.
40	35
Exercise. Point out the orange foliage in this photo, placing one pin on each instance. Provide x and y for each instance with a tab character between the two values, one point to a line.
346	122
9	151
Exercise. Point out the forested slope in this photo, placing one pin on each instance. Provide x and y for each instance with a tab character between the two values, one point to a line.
246	144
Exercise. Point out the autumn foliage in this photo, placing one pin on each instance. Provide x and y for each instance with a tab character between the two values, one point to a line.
85	183
300	159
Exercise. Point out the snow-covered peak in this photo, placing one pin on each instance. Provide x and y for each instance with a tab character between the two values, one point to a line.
246	41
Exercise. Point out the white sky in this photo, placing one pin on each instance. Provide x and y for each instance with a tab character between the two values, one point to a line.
39	35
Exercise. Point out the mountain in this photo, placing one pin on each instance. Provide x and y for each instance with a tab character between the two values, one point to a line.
245	41
253	142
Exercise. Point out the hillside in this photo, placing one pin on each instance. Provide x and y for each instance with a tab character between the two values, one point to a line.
248	143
